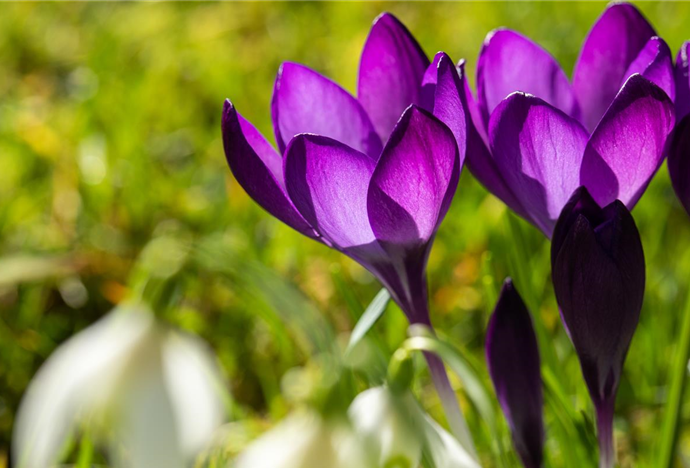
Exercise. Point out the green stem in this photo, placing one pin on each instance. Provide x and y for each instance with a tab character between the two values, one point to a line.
679	372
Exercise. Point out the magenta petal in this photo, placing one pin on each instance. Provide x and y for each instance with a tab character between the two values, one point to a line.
414	181
511	62
258	169
612	45
654	63
307	102
328	181
682	78
443	91
538	150
390	73
626	149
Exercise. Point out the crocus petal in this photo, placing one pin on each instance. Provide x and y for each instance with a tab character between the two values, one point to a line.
307	102
443	94
599	280
414	181
258	169
328	183
390	73
654	63
511	62
512	355
682	76
626	149
612	45
679	161
538	149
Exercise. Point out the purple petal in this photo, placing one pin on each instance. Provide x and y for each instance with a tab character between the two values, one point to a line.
679	161
511	62
612	45
538	149
443	94
626	148
307	102
512	355
390	73
479	159
258	169
654	63
682	78
328	181
414	181
599	281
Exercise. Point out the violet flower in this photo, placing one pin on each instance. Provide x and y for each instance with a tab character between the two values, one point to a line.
598	271
679	142
512	354
338	183
606	131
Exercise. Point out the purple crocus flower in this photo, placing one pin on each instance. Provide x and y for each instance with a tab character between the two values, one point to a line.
679	141
598	271
357	176
512	354
605	131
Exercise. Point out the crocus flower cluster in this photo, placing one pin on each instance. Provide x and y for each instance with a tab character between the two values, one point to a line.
542	137
598	273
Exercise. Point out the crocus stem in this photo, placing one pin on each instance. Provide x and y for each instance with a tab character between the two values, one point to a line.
607	453
669	432
456	420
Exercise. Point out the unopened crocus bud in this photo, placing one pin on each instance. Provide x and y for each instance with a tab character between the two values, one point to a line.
598	274
397	430
512	354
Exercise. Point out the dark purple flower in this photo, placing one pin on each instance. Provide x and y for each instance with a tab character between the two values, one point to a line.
534	148
598	274
512	354
337	182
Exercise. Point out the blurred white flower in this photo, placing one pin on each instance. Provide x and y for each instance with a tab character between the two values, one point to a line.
151	392
306	440
397	430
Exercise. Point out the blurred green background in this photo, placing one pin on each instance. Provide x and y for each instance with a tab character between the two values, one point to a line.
113	184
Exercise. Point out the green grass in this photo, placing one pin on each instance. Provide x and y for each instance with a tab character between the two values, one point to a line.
110	144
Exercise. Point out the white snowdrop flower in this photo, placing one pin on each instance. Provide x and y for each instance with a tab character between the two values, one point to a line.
306	440
397	430
150	392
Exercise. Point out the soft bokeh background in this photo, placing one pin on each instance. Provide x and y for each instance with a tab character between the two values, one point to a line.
113	184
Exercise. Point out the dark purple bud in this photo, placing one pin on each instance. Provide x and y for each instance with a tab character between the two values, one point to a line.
513	358
599	279
679	161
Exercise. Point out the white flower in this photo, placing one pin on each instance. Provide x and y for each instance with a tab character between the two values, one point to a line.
306	440
151	392
397	430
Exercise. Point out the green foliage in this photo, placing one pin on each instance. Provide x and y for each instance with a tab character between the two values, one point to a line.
114	184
